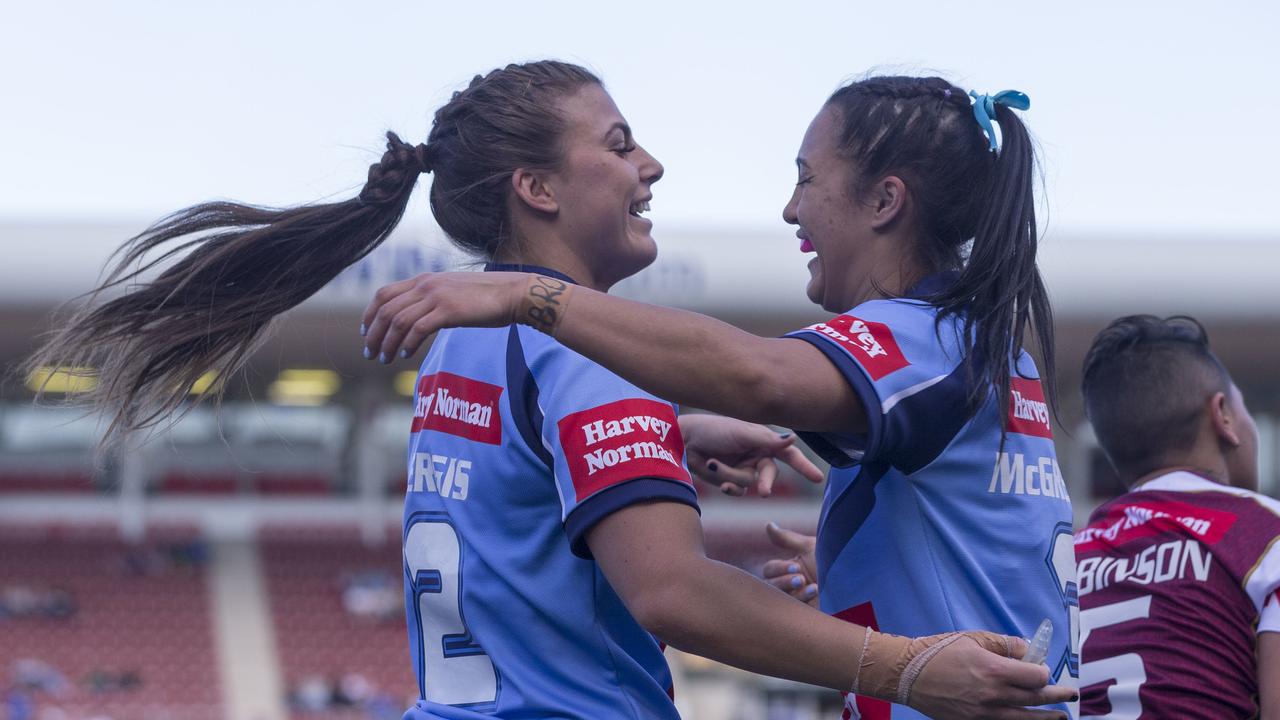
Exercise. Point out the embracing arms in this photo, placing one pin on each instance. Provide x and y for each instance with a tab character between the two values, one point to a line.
680	356
652	556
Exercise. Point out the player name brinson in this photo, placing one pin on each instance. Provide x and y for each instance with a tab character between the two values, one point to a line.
455	408
600	430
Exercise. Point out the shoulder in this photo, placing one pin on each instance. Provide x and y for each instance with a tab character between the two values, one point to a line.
887	336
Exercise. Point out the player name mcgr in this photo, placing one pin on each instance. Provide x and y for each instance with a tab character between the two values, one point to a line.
600	430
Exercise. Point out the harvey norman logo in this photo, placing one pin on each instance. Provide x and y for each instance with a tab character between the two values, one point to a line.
621	441
459	406
1028	411
871	344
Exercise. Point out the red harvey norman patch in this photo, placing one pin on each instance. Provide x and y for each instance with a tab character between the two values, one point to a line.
622	441
1130	521
870	343
1028	412
459	406
868	708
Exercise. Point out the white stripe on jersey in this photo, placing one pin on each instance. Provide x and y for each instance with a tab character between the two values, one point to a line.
901	395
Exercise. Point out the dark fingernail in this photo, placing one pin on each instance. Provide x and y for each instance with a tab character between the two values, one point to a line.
785	435
404	353
1075	698
368	353
713	466
363	330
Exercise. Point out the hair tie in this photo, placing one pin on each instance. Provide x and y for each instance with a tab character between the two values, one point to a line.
422	154
984	109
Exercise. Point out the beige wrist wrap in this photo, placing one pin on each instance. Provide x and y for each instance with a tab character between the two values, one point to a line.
543	303
891	664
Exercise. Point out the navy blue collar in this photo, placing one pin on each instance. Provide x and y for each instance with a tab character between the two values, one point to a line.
932	284
535	269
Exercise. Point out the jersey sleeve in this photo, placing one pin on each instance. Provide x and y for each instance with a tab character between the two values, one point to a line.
905	369
611	445
1269	620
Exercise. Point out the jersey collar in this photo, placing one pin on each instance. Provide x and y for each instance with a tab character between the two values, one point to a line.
535	269
932	284
1179	480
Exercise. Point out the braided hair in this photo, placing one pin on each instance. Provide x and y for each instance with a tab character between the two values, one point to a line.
975	207
230	269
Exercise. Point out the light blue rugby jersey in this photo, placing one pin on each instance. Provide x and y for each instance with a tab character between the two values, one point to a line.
519	446
927	526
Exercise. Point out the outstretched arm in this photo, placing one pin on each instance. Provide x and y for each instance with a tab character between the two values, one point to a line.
652	556
1269	675
680	356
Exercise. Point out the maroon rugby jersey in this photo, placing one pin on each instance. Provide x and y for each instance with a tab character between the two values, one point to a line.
1173	578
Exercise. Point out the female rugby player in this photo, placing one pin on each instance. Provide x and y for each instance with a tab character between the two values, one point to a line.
551	532
944	508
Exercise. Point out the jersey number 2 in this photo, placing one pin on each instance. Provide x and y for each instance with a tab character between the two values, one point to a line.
455	670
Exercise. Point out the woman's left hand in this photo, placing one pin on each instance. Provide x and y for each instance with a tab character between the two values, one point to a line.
737	455
404	314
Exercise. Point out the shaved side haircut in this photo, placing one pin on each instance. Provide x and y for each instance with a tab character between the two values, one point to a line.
1146	380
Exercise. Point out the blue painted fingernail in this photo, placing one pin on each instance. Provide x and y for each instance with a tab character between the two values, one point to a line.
382	358
811	591
368	353
363	330
797	582
404	353
793	568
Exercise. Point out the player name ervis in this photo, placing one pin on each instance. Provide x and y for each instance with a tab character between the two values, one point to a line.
647	425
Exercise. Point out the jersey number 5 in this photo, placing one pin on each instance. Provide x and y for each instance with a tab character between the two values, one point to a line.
455	669
1127	670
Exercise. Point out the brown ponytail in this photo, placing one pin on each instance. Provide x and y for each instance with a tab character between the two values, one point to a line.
236	268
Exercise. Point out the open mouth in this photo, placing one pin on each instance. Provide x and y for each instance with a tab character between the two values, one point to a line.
638	207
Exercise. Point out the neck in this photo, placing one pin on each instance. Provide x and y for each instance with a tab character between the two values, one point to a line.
1211	471
892	277
546	250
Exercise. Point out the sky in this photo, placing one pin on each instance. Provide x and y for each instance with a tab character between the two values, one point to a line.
1154	118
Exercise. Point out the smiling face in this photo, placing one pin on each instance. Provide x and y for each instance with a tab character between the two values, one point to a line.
851	250
602	186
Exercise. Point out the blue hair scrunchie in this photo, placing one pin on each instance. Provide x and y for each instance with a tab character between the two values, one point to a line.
984	109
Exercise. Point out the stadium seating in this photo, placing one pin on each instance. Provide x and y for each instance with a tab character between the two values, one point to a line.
324	632
128	634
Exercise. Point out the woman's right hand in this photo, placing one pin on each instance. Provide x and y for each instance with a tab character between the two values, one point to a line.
978	676
797	575
404	314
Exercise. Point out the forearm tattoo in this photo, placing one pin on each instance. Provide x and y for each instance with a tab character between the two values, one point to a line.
544	303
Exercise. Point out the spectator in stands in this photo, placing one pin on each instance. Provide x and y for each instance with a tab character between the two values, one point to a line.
313	693
373	595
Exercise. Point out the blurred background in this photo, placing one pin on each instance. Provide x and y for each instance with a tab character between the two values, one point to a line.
246	564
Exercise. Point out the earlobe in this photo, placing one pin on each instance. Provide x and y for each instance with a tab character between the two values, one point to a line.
533	191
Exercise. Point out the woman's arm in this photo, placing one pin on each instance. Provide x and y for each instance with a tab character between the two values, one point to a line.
652	556
1269	675
680	356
